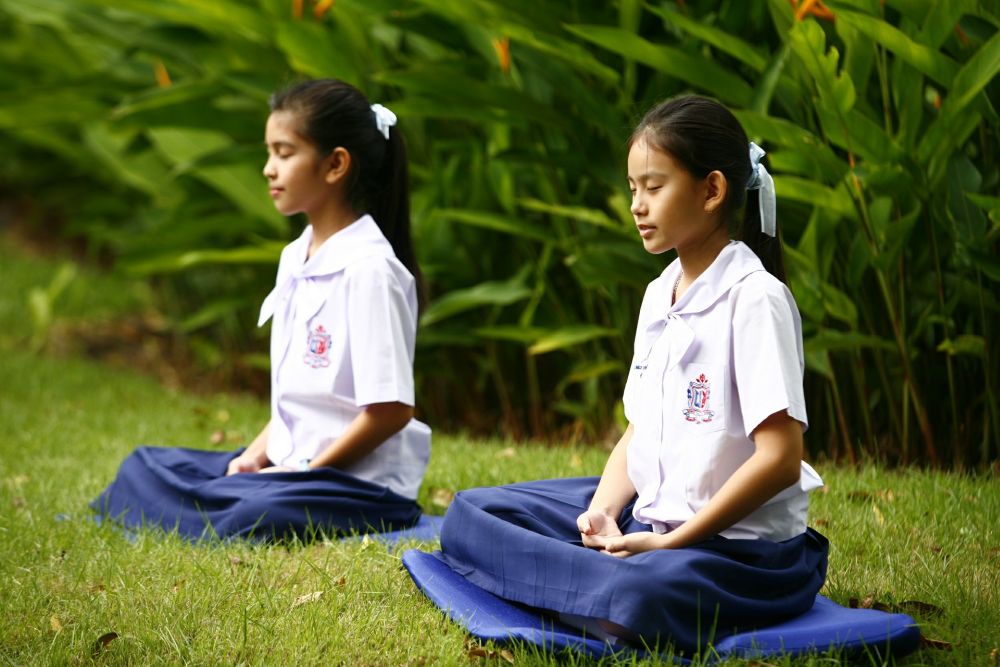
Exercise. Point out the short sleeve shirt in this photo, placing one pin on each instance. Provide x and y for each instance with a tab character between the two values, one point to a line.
343	337
706	372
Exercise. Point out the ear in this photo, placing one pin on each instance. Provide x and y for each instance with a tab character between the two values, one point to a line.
336	165
716	189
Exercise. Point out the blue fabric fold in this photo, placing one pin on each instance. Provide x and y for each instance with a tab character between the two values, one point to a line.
521	543
187	490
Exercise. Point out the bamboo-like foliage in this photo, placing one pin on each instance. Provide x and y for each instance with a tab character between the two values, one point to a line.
143	120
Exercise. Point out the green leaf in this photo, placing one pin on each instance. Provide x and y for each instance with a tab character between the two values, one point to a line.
891	233
838	341
907	88
859	56
493	293
836	200
811	148
315	50
41	303
808	42
984	202
698	71
243	185
985	262
855	132
443	91
499	223
720	39
592	369
590	216
839	306
974	75
574	54
211	313
942	19
268	254
222	17
769	81
778	130
144	171
818	360
603	264
514	333
964	344
25	109
184	146
570	336
936	65
164	98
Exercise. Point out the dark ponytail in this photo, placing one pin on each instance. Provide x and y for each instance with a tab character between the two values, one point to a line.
767	248
705	136
334	114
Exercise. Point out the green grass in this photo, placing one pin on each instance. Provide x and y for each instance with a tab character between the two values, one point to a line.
67	423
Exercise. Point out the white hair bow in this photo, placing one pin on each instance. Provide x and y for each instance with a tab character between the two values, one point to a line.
761	180
384	119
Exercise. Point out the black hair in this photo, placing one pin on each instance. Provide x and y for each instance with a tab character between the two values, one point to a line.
705	136
332	114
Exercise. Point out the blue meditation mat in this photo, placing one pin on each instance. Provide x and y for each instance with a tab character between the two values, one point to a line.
426	529
826	626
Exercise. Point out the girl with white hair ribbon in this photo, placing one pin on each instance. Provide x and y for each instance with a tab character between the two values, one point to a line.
697	527
342	451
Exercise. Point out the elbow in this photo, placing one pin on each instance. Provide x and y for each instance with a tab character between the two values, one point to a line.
394	416
789	471
405	415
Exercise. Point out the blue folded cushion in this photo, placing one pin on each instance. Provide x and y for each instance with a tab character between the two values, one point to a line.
827	626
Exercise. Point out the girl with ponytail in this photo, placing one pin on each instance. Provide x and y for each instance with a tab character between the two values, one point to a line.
342	451
697	527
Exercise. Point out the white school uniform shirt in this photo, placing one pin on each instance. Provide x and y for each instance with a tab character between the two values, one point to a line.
343	337
706	372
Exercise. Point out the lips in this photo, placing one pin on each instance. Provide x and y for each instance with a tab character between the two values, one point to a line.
276	191
645	231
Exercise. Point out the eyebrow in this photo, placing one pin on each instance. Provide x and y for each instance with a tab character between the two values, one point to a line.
279	144
642	178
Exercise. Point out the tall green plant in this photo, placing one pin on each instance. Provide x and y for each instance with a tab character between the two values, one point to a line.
879	125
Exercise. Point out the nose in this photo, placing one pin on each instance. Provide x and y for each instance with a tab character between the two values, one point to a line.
268	171
638	206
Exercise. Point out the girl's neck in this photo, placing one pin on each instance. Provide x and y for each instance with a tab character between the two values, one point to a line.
328	221
696	258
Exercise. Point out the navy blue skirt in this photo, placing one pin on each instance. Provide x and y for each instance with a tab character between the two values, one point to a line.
188	490
521	543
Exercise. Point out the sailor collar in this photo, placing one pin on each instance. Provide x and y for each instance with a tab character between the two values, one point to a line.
734	263
362	239
359	240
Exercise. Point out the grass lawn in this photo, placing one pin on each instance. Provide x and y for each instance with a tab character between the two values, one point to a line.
67	422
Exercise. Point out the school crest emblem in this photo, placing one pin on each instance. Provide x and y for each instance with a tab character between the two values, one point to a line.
318	348
699	391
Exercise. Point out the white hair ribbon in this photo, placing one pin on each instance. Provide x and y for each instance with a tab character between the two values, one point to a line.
384	119
761	180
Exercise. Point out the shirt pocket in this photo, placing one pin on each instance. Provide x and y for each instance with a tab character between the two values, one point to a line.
700	404
316	355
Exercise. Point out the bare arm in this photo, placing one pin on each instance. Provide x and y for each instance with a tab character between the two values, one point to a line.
774	466
614	492
373	426
253	457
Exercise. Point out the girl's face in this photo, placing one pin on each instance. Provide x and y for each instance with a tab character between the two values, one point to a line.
668	203
294	170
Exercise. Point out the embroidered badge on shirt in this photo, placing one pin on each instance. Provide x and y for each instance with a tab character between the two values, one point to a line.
318	353
697	410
